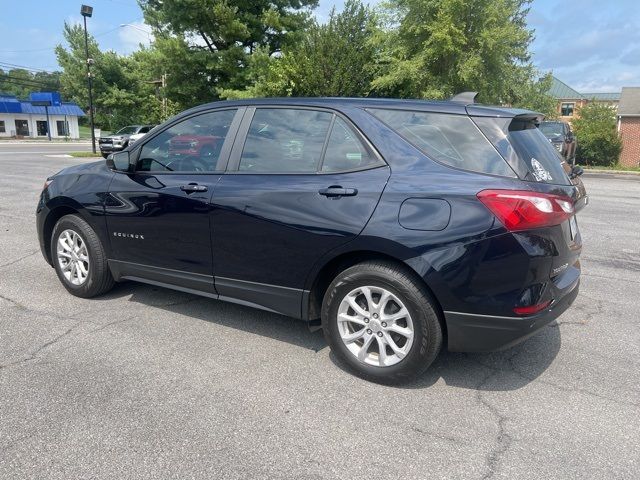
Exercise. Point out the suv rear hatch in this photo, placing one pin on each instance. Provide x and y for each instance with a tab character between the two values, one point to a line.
537	163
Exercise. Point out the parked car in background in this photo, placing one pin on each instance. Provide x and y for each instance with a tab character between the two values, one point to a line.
137	136
121	139
562	138
396	226
195	145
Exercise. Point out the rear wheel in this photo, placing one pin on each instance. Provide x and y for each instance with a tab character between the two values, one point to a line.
79	258
381	322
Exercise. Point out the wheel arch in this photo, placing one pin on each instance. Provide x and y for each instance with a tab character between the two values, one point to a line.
55	214
339	263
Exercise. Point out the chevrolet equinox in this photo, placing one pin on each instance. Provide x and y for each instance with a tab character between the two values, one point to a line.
396	226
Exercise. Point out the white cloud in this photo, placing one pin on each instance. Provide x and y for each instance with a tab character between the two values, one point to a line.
588	45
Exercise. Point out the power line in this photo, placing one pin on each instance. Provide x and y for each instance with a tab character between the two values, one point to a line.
53	48
23	84
35	83
24	67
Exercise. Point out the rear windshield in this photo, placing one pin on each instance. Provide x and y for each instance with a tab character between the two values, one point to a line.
451	139
526	149
551	129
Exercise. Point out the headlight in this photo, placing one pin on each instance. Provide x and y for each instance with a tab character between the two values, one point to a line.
558	146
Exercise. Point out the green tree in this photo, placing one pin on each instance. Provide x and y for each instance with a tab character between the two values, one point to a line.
21	82
123	88
598	139
533	95
209	43
334	59
442	47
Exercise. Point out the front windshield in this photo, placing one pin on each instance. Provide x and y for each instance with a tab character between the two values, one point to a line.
130	130
551	129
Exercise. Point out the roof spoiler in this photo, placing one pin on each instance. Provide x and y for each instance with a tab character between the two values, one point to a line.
530	116
465	97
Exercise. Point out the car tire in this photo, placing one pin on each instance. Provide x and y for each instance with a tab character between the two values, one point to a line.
104	155
391	287
79	258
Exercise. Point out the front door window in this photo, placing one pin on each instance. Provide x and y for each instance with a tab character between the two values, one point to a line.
193	145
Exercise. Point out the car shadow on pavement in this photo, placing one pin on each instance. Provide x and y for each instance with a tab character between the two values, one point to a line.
239	317
506	370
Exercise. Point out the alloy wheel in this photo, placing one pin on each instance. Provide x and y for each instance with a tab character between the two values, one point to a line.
375	326
73	257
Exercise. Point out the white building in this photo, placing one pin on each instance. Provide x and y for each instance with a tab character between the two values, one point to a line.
22	119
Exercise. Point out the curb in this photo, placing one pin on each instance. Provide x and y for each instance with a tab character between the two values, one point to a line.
587	171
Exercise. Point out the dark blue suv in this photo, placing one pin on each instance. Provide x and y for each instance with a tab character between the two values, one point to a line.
396	226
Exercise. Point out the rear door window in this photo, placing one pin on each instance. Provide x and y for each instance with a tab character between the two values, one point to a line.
345	151
450	139
282	140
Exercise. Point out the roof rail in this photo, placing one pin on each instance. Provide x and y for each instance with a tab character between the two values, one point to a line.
465	97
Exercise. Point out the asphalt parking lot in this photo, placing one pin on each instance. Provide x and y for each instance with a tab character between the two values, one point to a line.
151	383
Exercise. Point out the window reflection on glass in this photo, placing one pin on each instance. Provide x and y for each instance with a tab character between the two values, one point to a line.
284	140
192	145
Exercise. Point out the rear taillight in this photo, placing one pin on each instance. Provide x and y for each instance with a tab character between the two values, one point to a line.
525	210
531	309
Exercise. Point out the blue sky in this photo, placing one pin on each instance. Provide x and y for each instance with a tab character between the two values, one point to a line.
590	45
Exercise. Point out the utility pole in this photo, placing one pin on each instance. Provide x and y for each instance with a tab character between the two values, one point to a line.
87	11
161	85
164	96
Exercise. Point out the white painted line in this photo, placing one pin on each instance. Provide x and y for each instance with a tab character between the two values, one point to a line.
52	144
60	156
25	153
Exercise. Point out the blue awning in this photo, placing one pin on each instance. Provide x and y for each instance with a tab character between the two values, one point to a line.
10	104
64	109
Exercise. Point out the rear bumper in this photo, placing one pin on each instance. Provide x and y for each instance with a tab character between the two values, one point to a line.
485	333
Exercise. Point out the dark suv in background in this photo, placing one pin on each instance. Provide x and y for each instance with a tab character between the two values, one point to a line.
395	226
562	138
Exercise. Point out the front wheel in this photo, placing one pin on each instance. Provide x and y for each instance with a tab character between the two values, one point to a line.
79	258
381	322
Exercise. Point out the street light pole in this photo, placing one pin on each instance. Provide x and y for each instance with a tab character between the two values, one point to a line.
87	11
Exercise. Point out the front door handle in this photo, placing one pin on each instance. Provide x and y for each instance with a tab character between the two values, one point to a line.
193	187
336	191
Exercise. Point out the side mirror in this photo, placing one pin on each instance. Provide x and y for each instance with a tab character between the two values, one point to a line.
118	161
576	171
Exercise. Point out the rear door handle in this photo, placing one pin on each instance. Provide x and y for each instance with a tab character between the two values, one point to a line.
337	191
193	187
